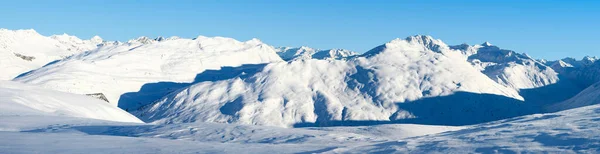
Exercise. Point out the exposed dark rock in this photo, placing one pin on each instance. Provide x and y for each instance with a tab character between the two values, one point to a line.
27	58
99	96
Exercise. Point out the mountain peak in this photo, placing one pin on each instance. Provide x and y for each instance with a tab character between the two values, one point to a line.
590	58
142	39
159	38
487	44
254	41
96	39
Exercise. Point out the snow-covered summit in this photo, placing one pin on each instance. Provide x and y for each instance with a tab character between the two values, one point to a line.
426	43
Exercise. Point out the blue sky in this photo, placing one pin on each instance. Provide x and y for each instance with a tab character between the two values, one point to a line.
544	29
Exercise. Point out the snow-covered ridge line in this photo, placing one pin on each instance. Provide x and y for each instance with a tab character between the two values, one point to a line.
304	52
372	87
141	61
403	70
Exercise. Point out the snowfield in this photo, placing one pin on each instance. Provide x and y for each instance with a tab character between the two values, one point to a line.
17	99
220	95
24	50
571	131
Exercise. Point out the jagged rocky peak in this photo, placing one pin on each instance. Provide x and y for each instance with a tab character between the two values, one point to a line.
160	38
463	47
304	52
584	62
486	44
490	53
588	60
428	41
560	64
142	40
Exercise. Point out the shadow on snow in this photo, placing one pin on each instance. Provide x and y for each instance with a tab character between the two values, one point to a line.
460	108
151	92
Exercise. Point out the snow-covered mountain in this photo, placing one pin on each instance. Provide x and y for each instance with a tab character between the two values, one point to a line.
584	72
289	53
371	87
21	100
121	71
220	95
25	50
509	68
572	62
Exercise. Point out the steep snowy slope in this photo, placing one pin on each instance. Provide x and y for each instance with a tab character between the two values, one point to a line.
588	96
507	67
25	50
288	53
418	79
571	131
20	100
121	70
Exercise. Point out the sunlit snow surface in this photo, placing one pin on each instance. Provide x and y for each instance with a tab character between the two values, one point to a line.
220	95
571	131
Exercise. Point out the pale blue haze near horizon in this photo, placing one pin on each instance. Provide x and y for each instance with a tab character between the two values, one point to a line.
542	29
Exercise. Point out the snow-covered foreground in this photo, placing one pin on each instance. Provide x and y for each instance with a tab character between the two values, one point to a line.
571	131
37	120
17	100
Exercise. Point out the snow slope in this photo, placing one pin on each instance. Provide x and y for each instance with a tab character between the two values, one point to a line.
588	96
571	131
509	68
382	85
121	70
25	50
288	53
80	135
20	100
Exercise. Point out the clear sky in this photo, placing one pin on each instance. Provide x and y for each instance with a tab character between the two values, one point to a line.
543	29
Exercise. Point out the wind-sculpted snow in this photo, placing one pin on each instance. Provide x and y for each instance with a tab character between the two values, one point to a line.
25	50
571	131
119	70
17	99
364	88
